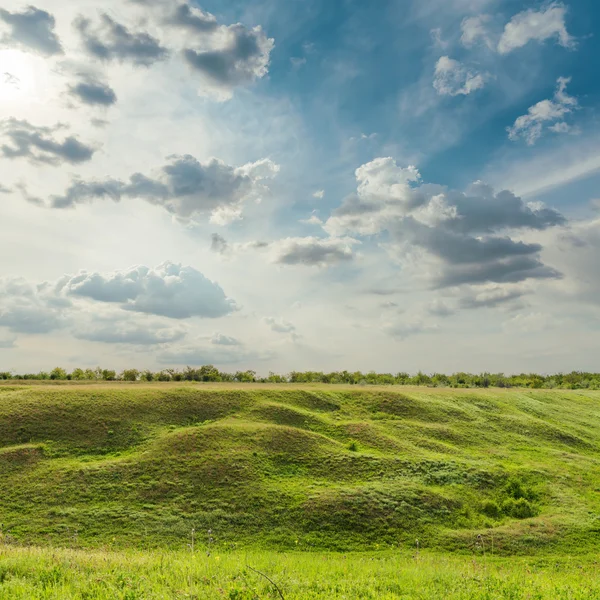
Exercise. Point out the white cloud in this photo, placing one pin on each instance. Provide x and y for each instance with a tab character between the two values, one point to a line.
530	126
320	194
224	340
538	25
476	29
453	78
169	290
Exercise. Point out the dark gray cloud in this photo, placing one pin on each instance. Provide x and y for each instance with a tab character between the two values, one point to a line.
109	40
192	18
218	244
26	308
467	234
510	270
169	290
243	59
185	187
312	251
93	92
38	144
32	29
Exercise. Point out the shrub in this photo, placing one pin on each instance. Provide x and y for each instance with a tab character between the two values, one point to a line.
491	509
353	447
518	509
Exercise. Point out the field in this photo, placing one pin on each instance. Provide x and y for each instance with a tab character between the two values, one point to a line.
324	488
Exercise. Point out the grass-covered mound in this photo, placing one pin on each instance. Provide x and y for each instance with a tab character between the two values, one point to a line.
336	468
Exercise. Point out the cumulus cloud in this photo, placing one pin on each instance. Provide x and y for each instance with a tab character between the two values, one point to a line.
169	290
29	308
320	194
109	40
32	30
236	56
536	25
312	251
439	308
185	187
192	18
39	144
451	237
530	126
93	92
453	78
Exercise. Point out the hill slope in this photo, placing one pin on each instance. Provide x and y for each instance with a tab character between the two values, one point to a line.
307	467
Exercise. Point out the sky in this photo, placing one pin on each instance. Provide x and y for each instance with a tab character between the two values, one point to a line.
303	185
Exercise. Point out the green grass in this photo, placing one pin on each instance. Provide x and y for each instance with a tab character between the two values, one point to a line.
34	574
324	488
319	468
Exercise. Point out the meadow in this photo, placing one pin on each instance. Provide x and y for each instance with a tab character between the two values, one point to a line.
168	490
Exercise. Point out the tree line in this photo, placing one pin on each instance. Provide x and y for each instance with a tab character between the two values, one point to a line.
207	373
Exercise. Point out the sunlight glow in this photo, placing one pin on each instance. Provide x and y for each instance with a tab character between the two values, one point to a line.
22	78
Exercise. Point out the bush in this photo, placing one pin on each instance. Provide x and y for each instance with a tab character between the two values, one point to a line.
518	509
353	447
491	509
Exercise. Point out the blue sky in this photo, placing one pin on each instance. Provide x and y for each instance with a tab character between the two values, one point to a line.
300	184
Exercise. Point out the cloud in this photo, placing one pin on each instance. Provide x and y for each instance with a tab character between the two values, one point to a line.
279	325
27	308
32	29
536	25
185	187
224	340
4	189
240	57
115	330
491	296
439	308
320	194
409	327
449	237
38	144
475	29
312	251
169	290
93	92
452	78
530	126
109	40
192	18
218	244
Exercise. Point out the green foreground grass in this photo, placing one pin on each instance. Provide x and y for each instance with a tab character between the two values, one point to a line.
35	574
500	487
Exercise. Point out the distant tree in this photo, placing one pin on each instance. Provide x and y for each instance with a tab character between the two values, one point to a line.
58	373
130	375
147	375
109	375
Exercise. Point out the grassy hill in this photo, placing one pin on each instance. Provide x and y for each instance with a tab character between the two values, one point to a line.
300	467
